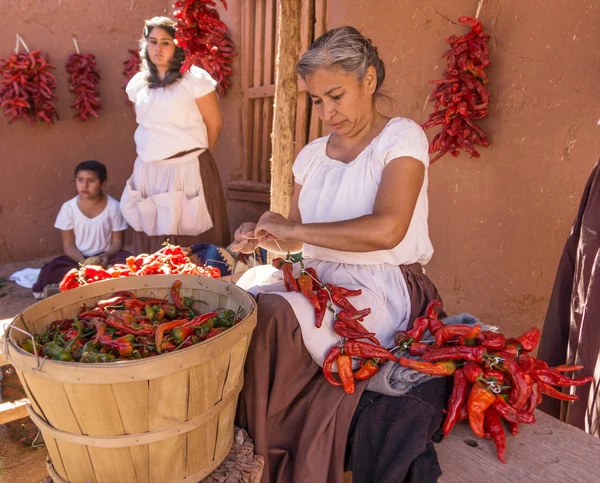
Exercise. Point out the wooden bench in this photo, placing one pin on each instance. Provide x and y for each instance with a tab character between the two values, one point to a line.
548	451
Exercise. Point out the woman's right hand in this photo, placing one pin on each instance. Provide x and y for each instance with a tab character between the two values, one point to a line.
243	239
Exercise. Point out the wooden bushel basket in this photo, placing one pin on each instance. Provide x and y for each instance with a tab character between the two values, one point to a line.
161	419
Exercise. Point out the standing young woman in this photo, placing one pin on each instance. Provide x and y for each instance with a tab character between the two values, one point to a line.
175	190
359	214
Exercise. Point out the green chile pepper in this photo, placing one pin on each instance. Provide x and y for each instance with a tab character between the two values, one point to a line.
53	351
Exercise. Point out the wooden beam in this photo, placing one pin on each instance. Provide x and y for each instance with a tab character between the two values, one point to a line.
11	411
286	97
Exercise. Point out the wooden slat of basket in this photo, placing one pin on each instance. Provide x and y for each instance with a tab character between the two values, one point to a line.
132	401
225	433
97	413
168	404
57	410
201	444
54	453
236	364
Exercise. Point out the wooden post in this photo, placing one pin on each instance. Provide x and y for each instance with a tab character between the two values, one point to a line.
286	96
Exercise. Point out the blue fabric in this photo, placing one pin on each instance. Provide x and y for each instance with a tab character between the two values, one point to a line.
215	256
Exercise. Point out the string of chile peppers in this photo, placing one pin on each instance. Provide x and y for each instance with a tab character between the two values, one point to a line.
27	88
495	378
357	343
125	327
169	260
461	96
84	79
205	39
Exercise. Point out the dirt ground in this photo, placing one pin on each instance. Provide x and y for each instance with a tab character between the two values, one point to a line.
19	463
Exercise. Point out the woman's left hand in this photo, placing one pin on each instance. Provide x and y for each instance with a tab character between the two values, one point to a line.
276	225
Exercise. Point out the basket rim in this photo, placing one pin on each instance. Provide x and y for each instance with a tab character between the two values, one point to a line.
188	357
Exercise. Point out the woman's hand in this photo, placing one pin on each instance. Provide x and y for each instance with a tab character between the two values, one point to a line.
273	226
244	239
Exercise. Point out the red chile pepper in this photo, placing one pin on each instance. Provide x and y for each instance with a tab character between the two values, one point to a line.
535	399
520	390
118	321
456	353
493	341
213	332
418	348
511	414
493	424
548	390
344	363
341	301
469	339
291	285
556	379
449	332
100	326
472	371
163	328
70	280
511	351
564	368
123	345
365	350
492	374
480	399
93	313
306	288
457	401
166	346
530	339
347	315
514	428
201	319
431	311
176	297
112	302
367	370
343	291
446	368
402	339
323	298
420	325
331	357
343	330
526	362
361	329
316	283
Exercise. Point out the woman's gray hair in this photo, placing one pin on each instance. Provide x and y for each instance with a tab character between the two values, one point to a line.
173	74
343	47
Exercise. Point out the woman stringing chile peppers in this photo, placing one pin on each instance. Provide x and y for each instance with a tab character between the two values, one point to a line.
359	215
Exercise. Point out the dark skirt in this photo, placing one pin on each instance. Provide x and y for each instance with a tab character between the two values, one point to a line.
301	424
54	271
218	235
571	332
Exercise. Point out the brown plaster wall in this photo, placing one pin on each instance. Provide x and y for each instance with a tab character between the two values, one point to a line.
37	163
498	224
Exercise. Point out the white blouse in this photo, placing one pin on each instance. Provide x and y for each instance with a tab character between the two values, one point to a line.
336	191
92	235
168	118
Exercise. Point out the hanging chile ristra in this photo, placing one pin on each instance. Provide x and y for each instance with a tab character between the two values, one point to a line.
461	94
27	87
84	79
131	67
205	39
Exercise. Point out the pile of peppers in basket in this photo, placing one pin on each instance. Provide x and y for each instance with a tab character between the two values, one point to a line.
84	79
125	327
347	325
461	94
495	378
131	67
27	88
169	260
205	39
